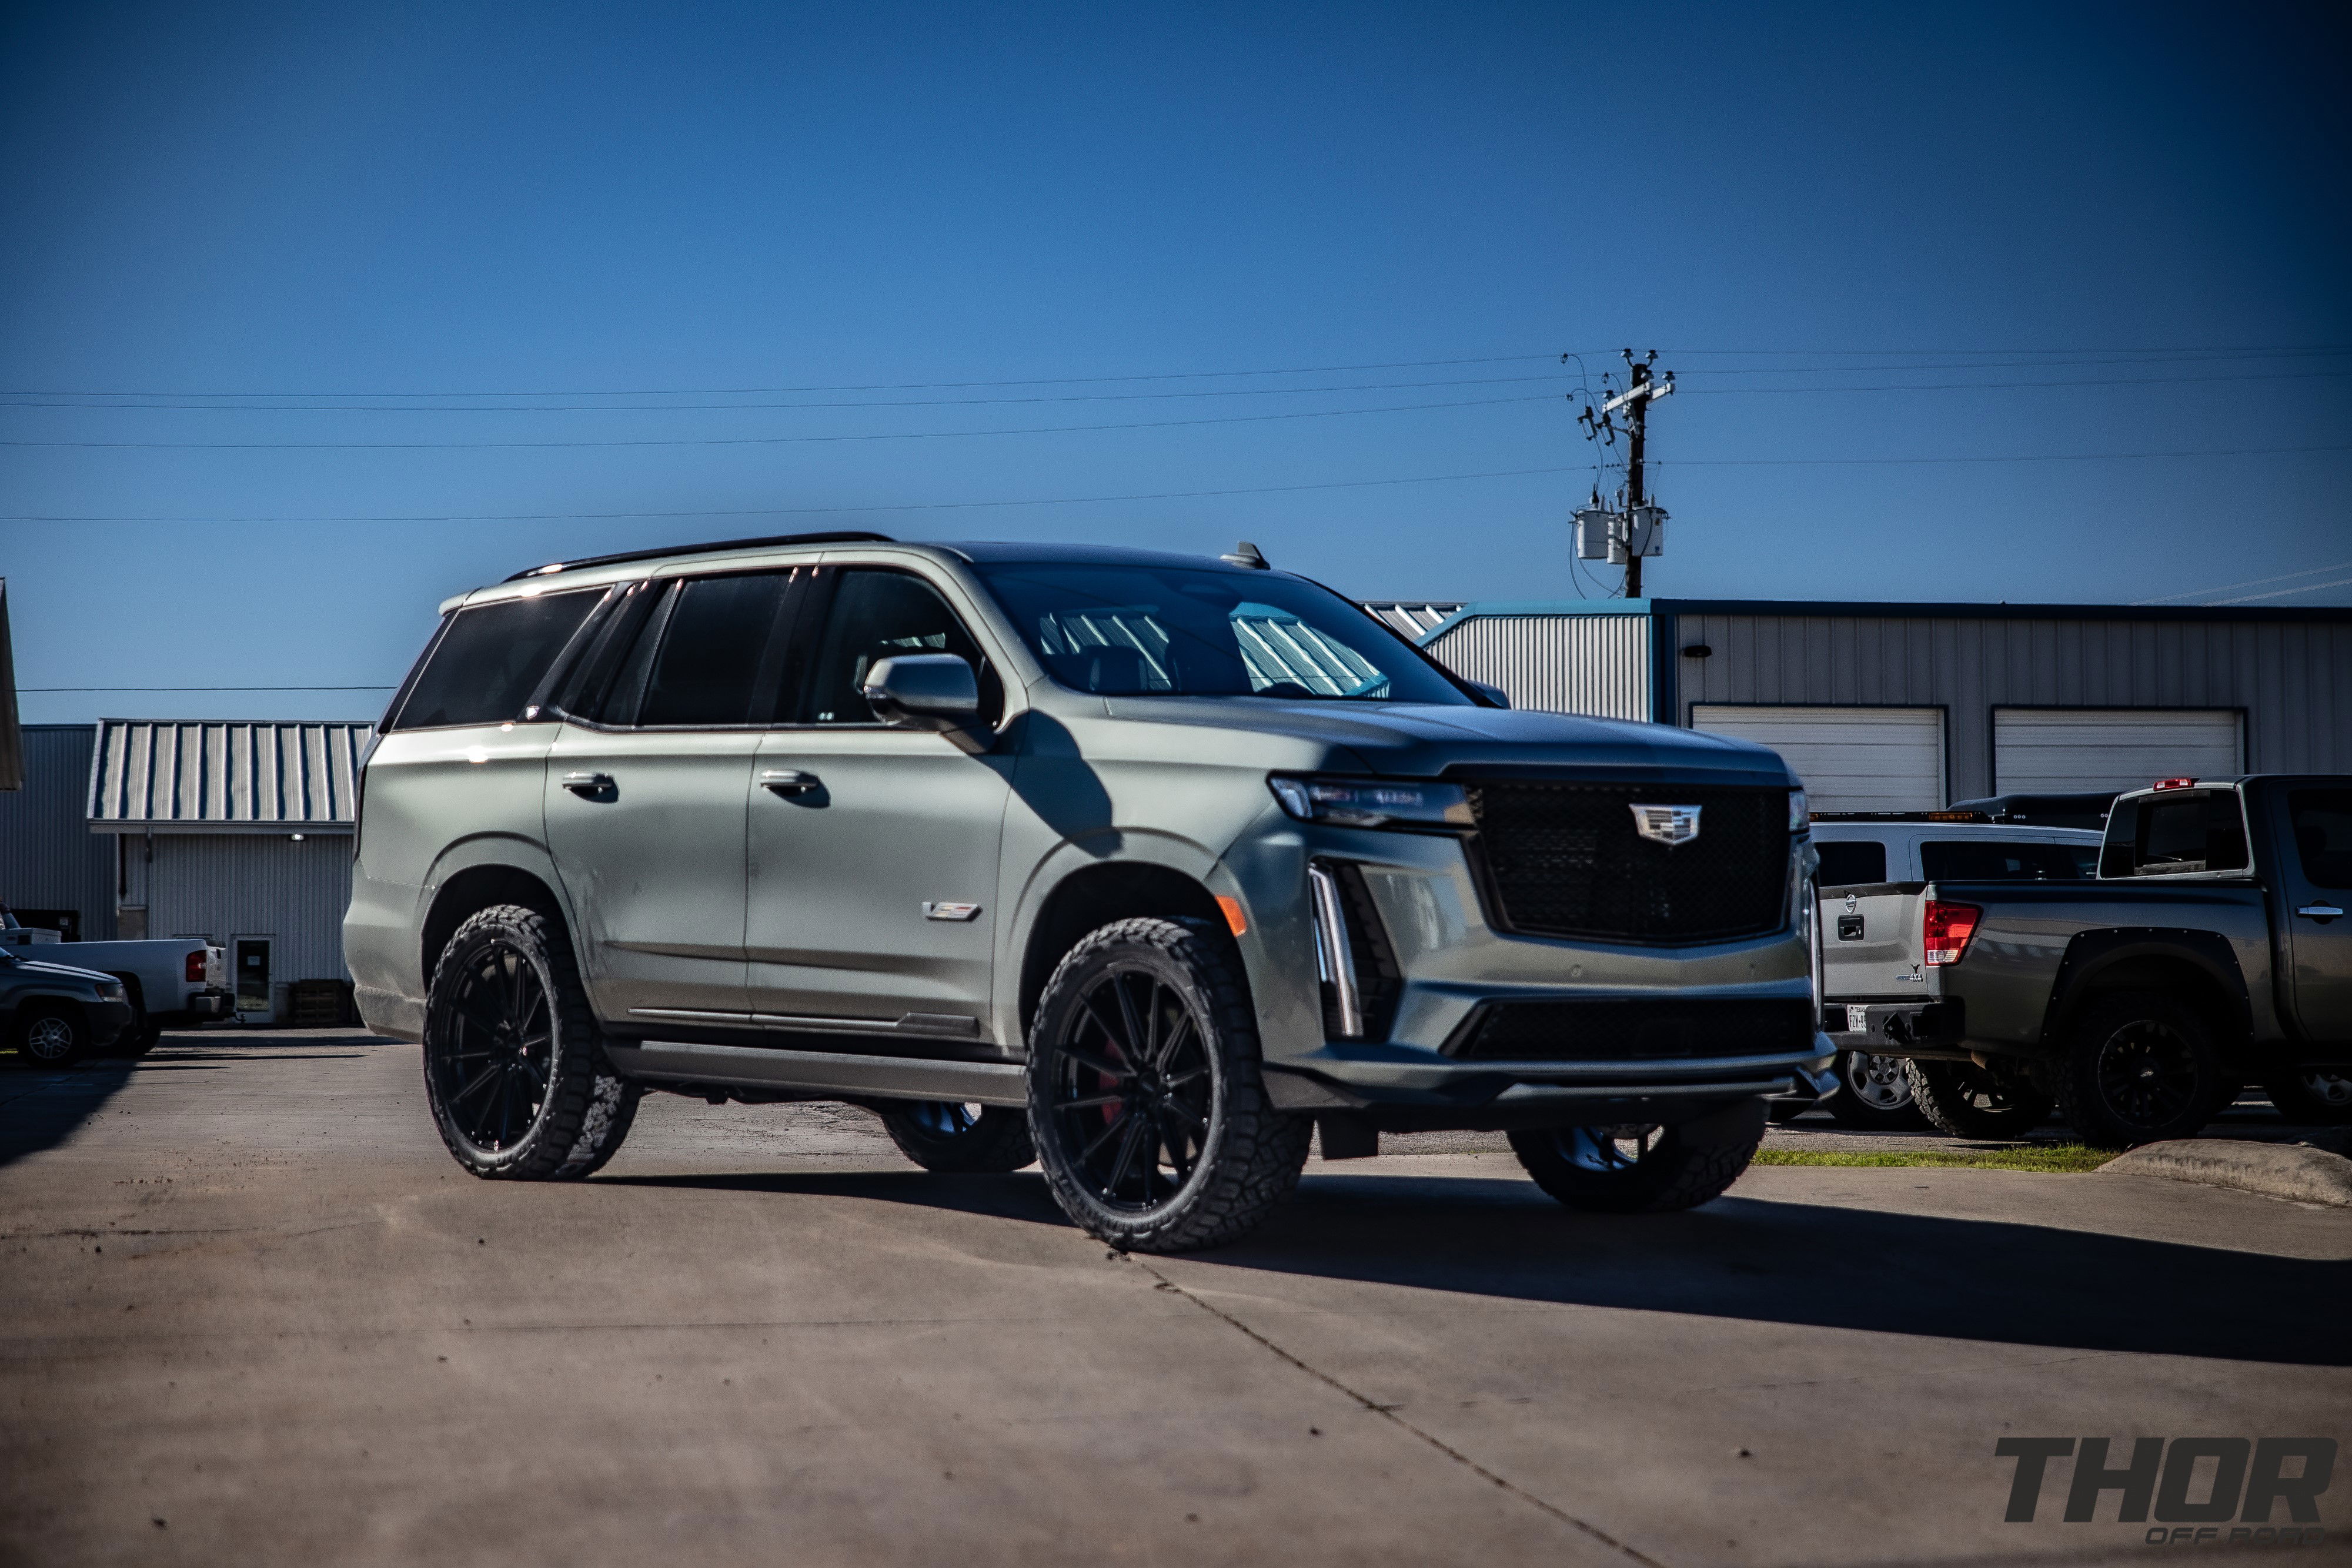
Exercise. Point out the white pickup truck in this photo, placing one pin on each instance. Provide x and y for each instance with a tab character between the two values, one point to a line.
172	983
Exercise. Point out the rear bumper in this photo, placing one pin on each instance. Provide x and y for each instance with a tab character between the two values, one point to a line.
210	1004
1894	1028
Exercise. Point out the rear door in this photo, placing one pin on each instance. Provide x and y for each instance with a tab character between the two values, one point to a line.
874	850
647	784
2315	866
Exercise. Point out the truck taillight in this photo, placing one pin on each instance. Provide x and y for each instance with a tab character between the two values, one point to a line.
1950	928
196	970
2176	783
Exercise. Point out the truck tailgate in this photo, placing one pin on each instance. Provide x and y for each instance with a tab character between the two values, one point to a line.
1870	941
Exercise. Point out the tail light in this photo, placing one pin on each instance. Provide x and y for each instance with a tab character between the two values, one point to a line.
1949	929
2176	783
196	968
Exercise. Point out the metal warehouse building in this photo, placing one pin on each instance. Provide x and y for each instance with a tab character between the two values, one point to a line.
1885	707
240	833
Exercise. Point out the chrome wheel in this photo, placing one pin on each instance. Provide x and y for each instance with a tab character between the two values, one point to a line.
1132	1091
2331	1090
1878	1081
491	1062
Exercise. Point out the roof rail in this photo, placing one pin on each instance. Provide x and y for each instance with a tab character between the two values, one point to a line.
846	537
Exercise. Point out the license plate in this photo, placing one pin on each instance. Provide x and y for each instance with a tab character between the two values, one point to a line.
1857	1019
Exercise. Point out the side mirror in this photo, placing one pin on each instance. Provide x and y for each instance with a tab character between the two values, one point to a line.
930	691
1494	695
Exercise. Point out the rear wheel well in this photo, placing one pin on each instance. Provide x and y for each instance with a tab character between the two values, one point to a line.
478	888
1093	898
2187	983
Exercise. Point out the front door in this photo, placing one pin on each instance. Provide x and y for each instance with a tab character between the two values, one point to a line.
873	849
2317	861
646	789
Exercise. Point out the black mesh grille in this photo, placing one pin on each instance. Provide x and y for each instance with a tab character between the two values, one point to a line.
1605	1030
1563	860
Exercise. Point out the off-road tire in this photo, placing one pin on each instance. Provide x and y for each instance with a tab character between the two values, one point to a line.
586	1110
1962	1100
1251	1154
2109	1114
987	1140
2326	1104
49	1035
1678	1167
1851	1110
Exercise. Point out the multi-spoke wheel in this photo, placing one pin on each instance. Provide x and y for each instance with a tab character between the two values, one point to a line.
2139	1068
1145	1099
1873	1092
2315	1097
1641	1166
51	1036
1968	1101
960	1139
514	1070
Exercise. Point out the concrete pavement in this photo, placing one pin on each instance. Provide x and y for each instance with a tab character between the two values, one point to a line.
251	1312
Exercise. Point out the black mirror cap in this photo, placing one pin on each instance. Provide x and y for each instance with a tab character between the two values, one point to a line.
1493	694
937	692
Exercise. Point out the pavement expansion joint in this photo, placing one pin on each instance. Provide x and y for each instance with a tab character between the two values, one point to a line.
1388	1413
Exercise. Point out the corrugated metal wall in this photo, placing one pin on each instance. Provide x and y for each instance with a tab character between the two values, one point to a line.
1597	665
2293	679
48	857
161	772
223	886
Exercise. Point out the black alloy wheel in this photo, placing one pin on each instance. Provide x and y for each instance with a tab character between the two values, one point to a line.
2141	1067
1639	1167
961	1138
2148	1074
492	1071
1132	1092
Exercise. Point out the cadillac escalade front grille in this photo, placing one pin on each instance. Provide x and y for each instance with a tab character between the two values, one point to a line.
1564	860
1608	1029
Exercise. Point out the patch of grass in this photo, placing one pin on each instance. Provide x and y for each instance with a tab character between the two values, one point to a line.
2066	1157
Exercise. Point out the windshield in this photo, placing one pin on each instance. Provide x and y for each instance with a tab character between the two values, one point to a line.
1150	630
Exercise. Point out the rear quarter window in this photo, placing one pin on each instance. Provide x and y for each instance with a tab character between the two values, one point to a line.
2176	834
491	658
1853	863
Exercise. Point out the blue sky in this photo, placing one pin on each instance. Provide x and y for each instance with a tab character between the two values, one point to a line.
1849	230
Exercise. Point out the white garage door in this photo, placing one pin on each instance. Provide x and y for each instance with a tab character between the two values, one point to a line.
2038	750
1851	758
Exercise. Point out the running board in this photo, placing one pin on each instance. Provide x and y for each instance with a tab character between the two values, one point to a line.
825	1072
954	1026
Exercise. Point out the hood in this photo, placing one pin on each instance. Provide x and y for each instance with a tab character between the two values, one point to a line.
1414	741
29	967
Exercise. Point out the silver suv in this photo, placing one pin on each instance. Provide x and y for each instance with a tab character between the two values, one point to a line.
1140	866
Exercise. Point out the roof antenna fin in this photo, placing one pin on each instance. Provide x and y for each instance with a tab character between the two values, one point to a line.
1245	554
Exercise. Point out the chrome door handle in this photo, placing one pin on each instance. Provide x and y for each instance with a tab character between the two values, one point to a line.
788	781
2323	912
588	783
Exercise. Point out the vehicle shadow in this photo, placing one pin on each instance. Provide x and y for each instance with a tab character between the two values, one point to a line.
40	1108
1749	1258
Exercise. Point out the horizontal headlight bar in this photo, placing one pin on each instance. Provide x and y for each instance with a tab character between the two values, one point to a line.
1372	804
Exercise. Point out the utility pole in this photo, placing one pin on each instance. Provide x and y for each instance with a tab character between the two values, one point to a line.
1637	529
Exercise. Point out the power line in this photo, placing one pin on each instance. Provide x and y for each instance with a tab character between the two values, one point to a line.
2022	457
820	511
2250	582
2003	386
2283	593
749	440
7	402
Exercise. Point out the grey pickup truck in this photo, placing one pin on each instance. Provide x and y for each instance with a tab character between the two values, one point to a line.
2212	950
1140	866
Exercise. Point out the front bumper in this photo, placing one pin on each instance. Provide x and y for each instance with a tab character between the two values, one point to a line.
107	1019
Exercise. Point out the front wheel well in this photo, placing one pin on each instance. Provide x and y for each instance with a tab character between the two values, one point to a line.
1090	899
477	888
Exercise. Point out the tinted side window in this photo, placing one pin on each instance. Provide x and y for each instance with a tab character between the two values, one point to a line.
1985	860
2171	834
713	649
874	616
1853	863
2322	821
491	658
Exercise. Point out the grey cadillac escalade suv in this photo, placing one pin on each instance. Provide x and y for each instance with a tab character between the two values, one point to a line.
1135	865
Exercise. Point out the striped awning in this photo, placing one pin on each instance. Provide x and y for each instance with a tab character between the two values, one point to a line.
150	775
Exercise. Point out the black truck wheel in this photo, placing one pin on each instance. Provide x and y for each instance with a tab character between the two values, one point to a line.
51	1034
1146	1105
962	1140
1640	1168
2139	1068
2314	1096
515	1070
1873	1093
1964	1101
